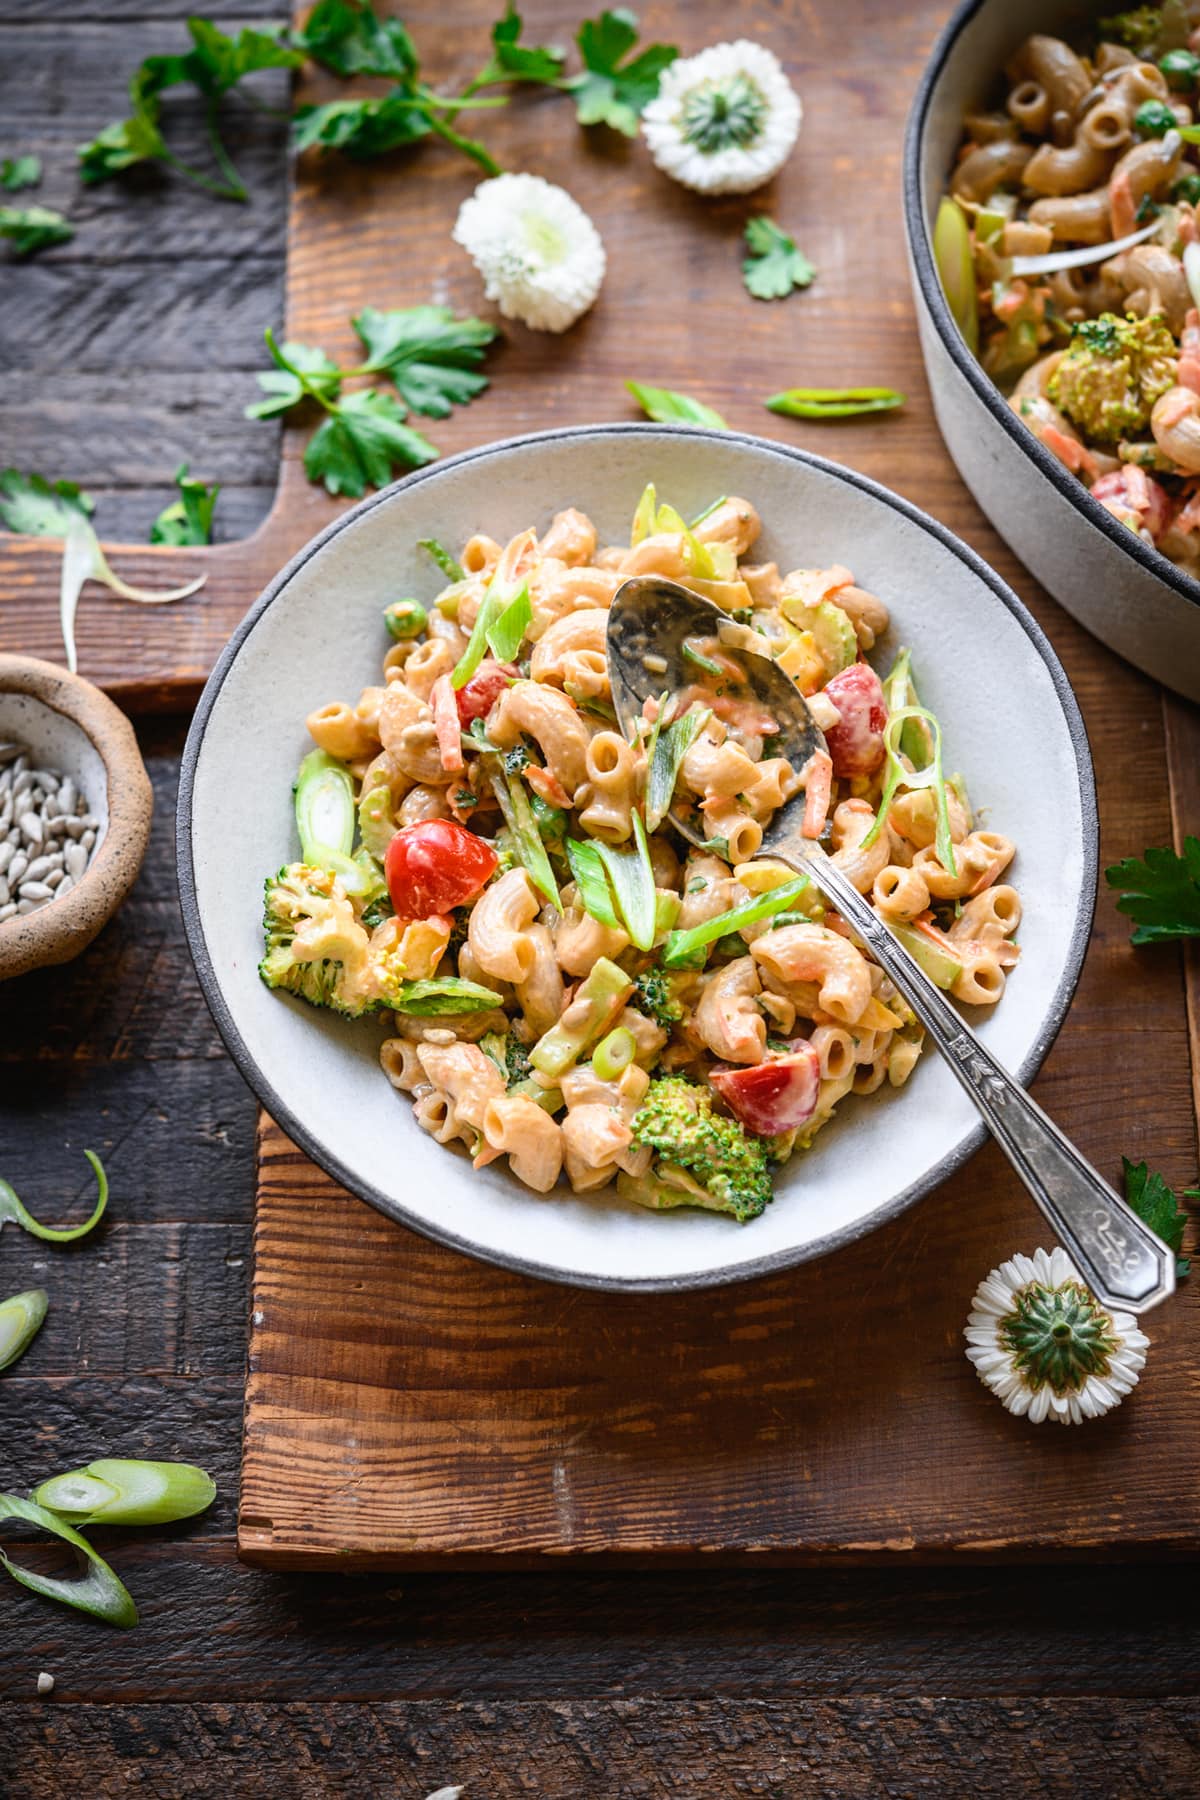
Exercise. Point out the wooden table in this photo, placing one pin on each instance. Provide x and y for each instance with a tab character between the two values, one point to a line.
126	352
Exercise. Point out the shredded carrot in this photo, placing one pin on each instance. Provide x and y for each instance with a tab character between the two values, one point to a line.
817	776
548	786
447	725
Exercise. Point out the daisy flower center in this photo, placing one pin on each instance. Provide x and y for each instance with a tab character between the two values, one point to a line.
543	238
1058	1337
726	113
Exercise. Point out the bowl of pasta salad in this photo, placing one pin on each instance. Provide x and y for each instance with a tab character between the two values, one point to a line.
1052	176
449	929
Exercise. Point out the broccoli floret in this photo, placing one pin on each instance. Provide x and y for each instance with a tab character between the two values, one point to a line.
1112	373
652	995
317	949
676	1118
1138	29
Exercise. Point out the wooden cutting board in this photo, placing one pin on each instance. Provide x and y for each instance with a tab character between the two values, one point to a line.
407	1406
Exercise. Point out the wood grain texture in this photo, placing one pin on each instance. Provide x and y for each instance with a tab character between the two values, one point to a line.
639	1749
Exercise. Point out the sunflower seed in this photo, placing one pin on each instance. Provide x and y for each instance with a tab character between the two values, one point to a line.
7	852
5	892
64	885
55	878
75	857
88	839
8	911
35	890
32	827
17	867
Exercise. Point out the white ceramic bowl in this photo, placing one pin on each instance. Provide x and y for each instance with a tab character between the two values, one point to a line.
1134	600
1010	721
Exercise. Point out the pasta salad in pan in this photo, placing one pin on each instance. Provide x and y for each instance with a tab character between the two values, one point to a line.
1070	255
486	858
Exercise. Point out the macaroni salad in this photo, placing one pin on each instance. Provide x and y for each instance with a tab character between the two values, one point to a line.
485	857
1073	260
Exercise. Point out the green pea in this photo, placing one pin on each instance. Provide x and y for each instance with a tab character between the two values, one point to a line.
405	619
1181	67
1154	118
1187	188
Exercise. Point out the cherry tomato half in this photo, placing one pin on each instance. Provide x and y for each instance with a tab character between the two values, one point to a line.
775	1096
435	865
856	741
477	698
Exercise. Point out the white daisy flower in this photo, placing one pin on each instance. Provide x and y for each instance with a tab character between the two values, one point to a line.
1044	1344
540	256
725	121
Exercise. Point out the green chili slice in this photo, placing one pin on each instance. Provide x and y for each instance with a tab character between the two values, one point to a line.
834	403
12	1208
21	1317
98	1592
682	946
123	1491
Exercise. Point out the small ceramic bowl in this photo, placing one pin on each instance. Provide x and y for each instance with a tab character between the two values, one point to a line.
317	634
1131	596
70	726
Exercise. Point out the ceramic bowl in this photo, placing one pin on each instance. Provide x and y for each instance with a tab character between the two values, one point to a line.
1134	600
1010	721
69	725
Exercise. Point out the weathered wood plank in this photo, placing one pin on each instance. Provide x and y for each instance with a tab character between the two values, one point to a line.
642	1749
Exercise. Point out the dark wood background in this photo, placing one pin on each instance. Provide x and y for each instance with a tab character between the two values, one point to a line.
125	352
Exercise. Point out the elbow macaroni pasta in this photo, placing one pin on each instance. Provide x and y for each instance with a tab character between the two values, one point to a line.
790	987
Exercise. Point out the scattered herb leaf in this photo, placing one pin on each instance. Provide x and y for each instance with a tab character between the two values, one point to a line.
39	508
775	265
187	520
666	407
1154	1203
31	228
1161	892
431	357
17	172
610	91
21	1317
362	444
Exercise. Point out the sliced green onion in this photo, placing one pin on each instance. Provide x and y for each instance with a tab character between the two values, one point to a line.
632	875
666	407
122	1491
507	634
645	517
597	1005
21	1317
666	911
1051	261
667	752
324	808
613	1054
550	1099
98	1592
444	995
591	878
834	403
706	562
527	839
930	776
376	823
956	269
682	946
12	1208
451	568
899	693
712	507
490	608
405	619
701	661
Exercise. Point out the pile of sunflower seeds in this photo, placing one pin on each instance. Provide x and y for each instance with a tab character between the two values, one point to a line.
47	834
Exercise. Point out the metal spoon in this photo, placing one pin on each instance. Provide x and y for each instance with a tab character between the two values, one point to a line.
1124	1263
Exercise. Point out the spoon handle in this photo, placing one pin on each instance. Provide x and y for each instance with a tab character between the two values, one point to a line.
1123	1262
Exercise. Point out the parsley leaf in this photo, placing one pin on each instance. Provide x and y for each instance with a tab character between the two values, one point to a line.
362	128
31	228
361	443
39	508
775	266
1153	1202
215	64
350	40
430	356
187	520
1161	892
610	92
669	408
301	373
514	61
17	172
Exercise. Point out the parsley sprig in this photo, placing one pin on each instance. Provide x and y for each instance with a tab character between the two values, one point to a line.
612	91
214	65
775	265
1160	892
1153	1201
431	359
30	228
